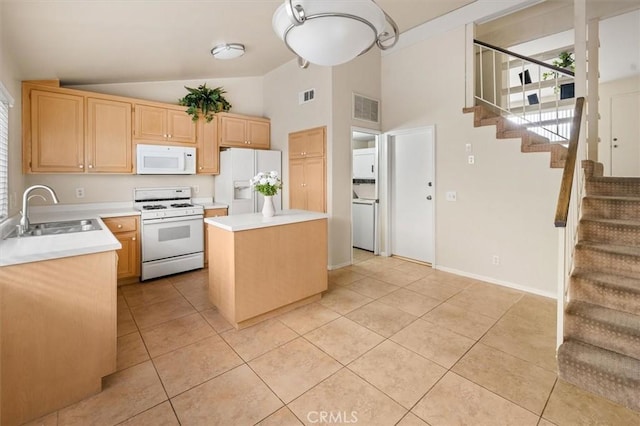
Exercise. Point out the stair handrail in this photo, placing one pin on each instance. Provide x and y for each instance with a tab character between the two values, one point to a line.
526	58
564	197
538	111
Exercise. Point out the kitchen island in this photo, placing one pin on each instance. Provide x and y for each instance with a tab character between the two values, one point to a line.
260	267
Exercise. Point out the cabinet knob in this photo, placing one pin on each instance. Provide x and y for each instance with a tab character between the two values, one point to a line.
133	238
170	136
165	135
81	166
91	166
119	226
201	167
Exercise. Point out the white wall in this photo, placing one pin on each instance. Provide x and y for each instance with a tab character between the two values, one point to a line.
361	76
9	77
607	91
332	108
506	201
244	94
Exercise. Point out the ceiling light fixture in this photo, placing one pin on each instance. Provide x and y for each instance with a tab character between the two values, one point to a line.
228	51
330	32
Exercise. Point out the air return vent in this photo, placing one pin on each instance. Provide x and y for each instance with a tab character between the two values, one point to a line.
306	96
366	109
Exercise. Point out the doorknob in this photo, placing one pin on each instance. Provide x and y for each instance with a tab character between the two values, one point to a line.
430	184
428	197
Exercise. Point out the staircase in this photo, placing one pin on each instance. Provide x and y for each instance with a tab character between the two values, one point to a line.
507	129
601	349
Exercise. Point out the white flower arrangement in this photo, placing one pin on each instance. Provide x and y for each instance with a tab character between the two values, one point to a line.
266	183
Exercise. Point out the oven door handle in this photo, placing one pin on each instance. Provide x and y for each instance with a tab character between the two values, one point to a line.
172	219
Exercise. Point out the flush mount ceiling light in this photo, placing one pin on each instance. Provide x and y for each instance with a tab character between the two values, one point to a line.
228	51
332	32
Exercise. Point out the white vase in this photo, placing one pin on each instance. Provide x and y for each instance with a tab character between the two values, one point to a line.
268	210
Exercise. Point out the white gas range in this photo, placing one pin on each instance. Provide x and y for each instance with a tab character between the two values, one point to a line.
172	231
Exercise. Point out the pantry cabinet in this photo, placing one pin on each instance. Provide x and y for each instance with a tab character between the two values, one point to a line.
307	143
307	170
208	149
166	124
244	132
126	229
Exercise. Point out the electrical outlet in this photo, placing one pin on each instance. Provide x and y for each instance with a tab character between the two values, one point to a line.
468	148
79	192
472	159
196	189
451	196
495	260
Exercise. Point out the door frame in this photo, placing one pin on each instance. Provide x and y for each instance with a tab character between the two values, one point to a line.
384	151
379	138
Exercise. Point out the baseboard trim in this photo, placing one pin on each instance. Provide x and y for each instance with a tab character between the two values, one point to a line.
551	295
339	265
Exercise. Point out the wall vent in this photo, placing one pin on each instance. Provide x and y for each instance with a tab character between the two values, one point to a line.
306	96
366	109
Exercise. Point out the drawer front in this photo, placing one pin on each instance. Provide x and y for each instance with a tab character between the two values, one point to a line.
122	224
215	212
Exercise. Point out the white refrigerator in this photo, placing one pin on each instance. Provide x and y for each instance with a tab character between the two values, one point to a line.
237	167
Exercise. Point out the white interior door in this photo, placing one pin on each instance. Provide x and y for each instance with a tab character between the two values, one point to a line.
625	135
411	157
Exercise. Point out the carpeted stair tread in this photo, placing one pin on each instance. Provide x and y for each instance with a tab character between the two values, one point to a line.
611	258
611	231
603	372
603	327
623	222
611	207
613	186
609	248
606	289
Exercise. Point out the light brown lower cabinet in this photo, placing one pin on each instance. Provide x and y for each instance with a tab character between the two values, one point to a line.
211	213
249	282
58	333
127	231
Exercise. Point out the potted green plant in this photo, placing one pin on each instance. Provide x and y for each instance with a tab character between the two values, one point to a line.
567	61
205	101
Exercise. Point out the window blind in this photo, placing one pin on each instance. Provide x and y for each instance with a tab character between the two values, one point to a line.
4	159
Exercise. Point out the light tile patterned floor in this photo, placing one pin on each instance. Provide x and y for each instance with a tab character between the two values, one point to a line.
391	343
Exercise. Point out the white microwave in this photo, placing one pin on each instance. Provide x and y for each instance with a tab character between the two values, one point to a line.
165	160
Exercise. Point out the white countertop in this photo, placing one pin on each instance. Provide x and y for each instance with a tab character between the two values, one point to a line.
33	249
244	222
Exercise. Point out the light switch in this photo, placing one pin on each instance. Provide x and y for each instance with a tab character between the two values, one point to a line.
451	196
468	148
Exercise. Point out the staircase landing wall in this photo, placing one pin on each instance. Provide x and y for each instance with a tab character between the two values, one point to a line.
505	201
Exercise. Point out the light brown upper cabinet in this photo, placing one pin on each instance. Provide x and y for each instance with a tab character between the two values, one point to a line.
208	155
108	139
244	132
307	170
307	143
64	132
166	124
54	132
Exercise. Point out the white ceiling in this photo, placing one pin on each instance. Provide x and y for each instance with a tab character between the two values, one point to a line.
100	41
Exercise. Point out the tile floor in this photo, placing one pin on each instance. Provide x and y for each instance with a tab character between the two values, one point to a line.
390	343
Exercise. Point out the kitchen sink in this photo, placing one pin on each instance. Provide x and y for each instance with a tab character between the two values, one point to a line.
56	228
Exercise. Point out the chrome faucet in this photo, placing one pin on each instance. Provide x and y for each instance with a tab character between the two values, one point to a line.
24	218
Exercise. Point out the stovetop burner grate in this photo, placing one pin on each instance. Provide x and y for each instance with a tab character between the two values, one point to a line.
179	205
154	207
